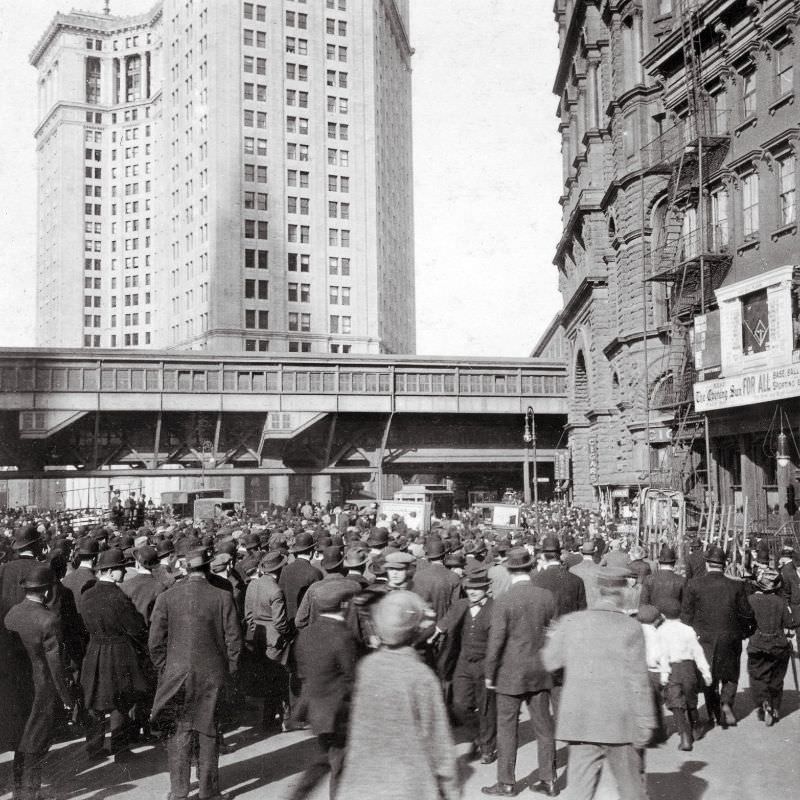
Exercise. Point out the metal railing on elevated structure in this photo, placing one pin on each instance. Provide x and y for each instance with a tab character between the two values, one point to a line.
683	139
146	372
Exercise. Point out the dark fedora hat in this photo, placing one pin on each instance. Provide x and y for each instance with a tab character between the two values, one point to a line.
378	537
25	537
476	579
715	555
198	557
667	555
332	557
454	560
88	547
355	556
272	561
518	558
302	543
435	548
147	556
550	544
113	558
252	541
38	578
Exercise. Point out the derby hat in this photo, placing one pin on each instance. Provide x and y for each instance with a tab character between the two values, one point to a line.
355	557
303	542
332	558
25	537
667	555
435	548
454	560
252	541
272	561
378	537
147	556
550	544
647	614
613	577
113	558
518	558
588	548
715	555
88	547
38	578
165	548
476	579
198	557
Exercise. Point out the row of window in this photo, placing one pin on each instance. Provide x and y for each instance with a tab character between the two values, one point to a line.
256	289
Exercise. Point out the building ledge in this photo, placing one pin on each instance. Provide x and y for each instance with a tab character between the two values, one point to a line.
784	100
750	122
753	244
580	295
785	230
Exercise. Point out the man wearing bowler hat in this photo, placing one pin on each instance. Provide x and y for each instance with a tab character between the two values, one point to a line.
514	671
38	630
82	577
28	548
438	586
466	628
665	584
195	644
144	587
587	570
325	660
164	570
300	574
116	670
716	607
267	636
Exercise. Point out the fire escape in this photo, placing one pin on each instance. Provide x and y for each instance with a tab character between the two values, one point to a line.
689	257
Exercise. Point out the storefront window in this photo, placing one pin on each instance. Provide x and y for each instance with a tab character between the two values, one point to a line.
755	322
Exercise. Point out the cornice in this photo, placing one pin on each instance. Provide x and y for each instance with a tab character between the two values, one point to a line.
584	291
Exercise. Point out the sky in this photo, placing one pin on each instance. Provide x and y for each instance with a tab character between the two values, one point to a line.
487	170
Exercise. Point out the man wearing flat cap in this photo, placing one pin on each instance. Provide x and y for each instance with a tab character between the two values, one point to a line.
325	662
195	644
116	670
716	607
606	712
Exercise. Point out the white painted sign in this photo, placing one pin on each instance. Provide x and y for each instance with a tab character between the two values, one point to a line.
761	386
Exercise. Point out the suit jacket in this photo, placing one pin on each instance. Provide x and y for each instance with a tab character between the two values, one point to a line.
116	659
39	631
716	607
640	568
73	632
438	586
695	565
195	644
267	625
143	589
307	612
568	589
452	625
606	696
77	581
12	573
587	571
791	589
165	575
325	661
660	586
520	618
295	580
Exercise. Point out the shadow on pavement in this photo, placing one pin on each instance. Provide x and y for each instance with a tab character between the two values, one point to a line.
683	783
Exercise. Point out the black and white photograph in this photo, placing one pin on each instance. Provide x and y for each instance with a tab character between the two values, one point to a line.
399	399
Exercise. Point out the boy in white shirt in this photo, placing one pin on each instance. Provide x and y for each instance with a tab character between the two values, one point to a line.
682	658
650	617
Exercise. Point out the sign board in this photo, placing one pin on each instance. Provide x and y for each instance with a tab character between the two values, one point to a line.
417	516
706	342
761	386
506	515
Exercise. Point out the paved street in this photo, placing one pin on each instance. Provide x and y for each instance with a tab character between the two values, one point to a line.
749	762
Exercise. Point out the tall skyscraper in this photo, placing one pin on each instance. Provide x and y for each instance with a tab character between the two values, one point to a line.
226	175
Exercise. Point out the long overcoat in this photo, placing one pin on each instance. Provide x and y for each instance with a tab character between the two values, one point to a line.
195	642
116	661
39	631
716	607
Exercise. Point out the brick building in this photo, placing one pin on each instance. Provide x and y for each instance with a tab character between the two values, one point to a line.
677	260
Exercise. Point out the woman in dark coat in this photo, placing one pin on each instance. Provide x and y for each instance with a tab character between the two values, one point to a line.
768	651
116	669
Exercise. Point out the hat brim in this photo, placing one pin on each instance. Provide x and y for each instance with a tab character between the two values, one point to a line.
304	549
26	543
274	567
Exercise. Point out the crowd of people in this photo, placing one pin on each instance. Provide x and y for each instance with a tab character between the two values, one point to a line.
144	628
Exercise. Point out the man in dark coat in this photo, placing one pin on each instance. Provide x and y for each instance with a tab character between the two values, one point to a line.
665	584
300	574
332	564
116	670
569	591
15	680
143	588
438	586
325	659
163	571
466	628
194	642
39	632
82	577
696	561
514	670
717	608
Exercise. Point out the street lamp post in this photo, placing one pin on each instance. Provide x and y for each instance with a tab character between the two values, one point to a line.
529	437
207	449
